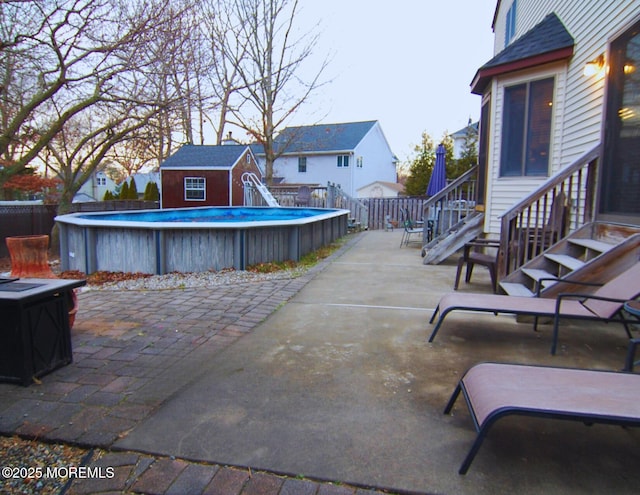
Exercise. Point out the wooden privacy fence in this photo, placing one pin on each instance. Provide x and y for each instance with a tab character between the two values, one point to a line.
381	208
371	213
29	219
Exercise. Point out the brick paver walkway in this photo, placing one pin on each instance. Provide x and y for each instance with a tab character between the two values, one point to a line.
132	351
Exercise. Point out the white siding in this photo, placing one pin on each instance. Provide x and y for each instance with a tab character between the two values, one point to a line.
579	100
506	191
377	165
320	170
377	160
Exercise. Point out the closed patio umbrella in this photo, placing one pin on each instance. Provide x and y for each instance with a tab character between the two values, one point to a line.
438	180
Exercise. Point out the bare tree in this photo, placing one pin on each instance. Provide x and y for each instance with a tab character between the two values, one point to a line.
132	154
227	49
62	58
80	148
271	70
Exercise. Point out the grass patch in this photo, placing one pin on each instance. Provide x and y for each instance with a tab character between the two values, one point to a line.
307	261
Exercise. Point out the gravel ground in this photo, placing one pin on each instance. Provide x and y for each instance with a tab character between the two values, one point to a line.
26	466
137	281
194	280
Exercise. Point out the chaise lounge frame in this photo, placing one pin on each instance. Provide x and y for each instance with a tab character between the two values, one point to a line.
605	304
494	390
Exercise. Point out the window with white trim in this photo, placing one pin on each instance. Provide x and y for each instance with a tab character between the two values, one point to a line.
343	160
526	129
194	188
302	164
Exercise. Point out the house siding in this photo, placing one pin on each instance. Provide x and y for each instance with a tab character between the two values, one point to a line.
246	163
216	188
579	100
377	158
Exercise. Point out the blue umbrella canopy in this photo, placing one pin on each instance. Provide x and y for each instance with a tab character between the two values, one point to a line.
438	180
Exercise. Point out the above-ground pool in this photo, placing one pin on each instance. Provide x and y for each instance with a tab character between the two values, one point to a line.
194	239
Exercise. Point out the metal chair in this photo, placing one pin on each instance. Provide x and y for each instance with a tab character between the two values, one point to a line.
410	228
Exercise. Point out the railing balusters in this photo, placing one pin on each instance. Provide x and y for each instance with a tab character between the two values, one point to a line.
579	193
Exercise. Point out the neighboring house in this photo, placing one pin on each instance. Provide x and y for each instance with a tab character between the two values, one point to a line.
565	78
380	189
206	175
470	131
350	155
143	179
95	188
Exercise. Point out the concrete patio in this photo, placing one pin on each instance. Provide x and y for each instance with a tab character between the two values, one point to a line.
327	377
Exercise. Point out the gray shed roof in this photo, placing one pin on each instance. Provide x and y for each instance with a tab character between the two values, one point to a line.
198	156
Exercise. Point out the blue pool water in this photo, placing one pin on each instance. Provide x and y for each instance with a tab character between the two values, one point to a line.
212	214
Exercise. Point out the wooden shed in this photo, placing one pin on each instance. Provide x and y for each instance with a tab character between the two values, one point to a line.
206	175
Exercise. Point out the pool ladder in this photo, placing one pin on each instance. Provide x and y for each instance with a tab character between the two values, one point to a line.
250	180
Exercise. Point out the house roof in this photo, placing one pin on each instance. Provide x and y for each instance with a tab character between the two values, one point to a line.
463	132
191	156
323	138
395	186
548	41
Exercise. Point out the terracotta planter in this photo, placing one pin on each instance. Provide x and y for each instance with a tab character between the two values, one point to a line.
29	256
30	259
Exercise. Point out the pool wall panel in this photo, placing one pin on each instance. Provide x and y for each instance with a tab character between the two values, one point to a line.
198	250
123	250
157	250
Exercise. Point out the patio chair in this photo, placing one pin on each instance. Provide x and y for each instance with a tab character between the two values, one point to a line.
604	304
410	228
494	390
473	255
303	198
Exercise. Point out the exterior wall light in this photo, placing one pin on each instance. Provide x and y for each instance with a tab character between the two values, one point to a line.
594	67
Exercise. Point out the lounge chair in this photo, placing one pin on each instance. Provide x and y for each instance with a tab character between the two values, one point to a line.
604	304
495	390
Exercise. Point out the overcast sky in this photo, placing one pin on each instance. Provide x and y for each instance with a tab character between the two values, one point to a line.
405	63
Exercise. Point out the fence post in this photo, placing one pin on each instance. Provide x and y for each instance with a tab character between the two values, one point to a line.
331	195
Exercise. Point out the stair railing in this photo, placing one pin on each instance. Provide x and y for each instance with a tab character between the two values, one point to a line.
251	181
446	209
337	198
529	227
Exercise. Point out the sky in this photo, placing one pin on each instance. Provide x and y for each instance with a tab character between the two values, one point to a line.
406	63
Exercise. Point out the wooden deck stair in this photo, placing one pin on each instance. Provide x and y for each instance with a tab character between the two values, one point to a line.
590	254
453	239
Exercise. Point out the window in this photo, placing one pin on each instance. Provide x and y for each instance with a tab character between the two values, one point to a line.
359	162
101	181
194	188
510	28
526	129
302	164
343	160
